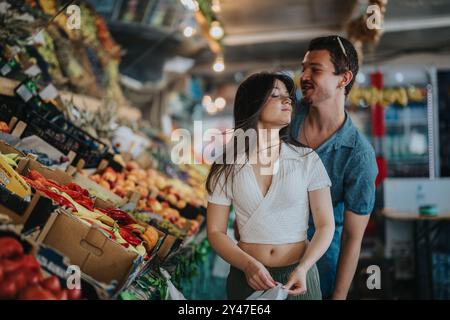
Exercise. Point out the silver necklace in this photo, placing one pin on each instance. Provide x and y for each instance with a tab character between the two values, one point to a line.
304	132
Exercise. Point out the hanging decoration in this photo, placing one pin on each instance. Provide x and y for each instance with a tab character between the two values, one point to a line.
368	28
211	29
386	96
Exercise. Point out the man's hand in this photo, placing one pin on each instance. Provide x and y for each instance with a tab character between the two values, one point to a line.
352	235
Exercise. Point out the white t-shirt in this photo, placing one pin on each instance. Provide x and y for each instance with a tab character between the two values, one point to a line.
281	216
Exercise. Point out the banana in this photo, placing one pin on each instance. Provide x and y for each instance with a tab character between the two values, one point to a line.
9	160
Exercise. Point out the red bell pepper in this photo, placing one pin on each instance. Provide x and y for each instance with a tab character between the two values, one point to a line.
59	199
120	216
34	175
130	237
81	199
75	187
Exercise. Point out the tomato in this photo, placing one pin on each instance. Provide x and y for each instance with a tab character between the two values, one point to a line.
63	295
52	283
10	266
34	278
10	247
8	289
19	278
74	294
30	263
36	293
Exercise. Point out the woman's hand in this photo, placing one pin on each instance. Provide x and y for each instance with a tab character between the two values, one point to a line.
258	277
297	282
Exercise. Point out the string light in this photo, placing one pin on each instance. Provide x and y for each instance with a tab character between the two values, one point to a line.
220	103
216	30
188	32
206	101
219	64
190	4
211	109
213	106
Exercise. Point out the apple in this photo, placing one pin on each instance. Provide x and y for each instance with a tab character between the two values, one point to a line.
120	191
181	204
104	184
132	165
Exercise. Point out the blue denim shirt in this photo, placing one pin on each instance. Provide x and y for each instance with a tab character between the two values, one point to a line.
351	165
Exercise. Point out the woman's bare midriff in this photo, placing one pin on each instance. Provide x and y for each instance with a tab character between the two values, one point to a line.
275	255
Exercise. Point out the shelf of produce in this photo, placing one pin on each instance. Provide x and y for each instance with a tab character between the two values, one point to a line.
92	104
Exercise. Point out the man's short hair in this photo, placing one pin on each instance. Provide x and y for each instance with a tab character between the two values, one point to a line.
343	55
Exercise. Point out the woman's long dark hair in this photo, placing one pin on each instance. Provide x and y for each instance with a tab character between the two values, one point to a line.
251	96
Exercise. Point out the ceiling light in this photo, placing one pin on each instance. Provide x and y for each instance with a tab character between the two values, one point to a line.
188	32
219	65
220	103
216	30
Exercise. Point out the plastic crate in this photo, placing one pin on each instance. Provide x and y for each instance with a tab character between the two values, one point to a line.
66	137
10	107
49	123
94	150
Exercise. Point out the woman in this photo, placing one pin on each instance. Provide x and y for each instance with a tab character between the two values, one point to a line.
272	209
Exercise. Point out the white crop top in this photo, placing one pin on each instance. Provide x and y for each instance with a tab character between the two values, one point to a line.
281	216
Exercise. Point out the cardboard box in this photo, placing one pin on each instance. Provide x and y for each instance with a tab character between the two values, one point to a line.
32	214
168	246
57	175
35	214
92	250
88	184
5	148
54	263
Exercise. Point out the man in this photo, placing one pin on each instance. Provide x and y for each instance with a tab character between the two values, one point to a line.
329	69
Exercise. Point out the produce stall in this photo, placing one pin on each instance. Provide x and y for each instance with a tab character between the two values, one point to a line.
71	194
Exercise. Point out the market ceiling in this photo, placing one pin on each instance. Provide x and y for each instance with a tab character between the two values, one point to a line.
267	33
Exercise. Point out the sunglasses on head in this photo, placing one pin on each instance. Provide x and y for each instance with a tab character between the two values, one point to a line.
343	51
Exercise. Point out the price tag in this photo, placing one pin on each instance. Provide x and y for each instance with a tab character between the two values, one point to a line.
33	71
49	93
5	69
24	93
